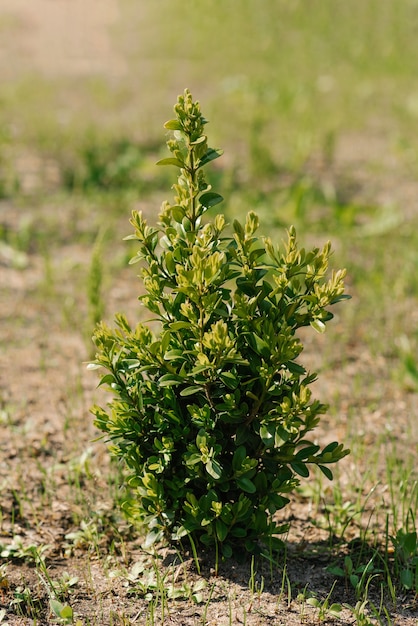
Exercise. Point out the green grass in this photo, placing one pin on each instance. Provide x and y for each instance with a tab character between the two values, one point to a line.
308	87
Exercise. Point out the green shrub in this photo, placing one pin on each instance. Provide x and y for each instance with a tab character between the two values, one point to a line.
211	414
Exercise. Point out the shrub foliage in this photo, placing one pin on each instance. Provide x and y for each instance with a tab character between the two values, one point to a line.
212	409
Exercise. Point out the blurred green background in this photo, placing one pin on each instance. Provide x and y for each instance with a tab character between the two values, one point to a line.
314	103
281	82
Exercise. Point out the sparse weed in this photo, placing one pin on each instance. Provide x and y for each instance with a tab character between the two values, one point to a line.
359	612
105	165
406	558
339	514
63	612
146	580
87	537
25	603
256	582
9	180
358	576
407	347
403	488
20	551
95	282
285	588
207	603
64	584
325	608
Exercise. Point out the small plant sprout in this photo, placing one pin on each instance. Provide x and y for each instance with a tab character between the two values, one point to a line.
325	607
359	576
213	409
406	558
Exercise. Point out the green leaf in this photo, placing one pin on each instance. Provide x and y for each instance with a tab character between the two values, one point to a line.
131	363
246	484
290	309
199	140
343	296
56	607
238	228
318	326
171	161
173	125
107	380
261	482
229	379
256	254
214	469
189	391
179	325
210	199
169	380
295	368
206	539
63	611
326	471
153	536
238	532
300	468
226	550
306	452
259	345
238	458
94	366
178	213
210	155
67	612
193	459
221	530
336	571
409	542
354	580
330	447
247	286
165	340
407	578
335	609
267	434
201	438
172	355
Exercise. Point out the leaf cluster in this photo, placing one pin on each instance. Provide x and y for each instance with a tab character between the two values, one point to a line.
212	413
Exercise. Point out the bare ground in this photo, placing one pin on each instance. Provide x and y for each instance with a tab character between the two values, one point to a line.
55	477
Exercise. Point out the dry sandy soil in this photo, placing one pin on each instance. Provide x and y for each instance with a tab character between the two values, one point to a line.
52	472
59	37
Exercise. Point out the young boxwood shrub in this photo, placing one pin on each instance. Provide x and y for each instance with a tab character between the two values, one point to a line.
212	410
